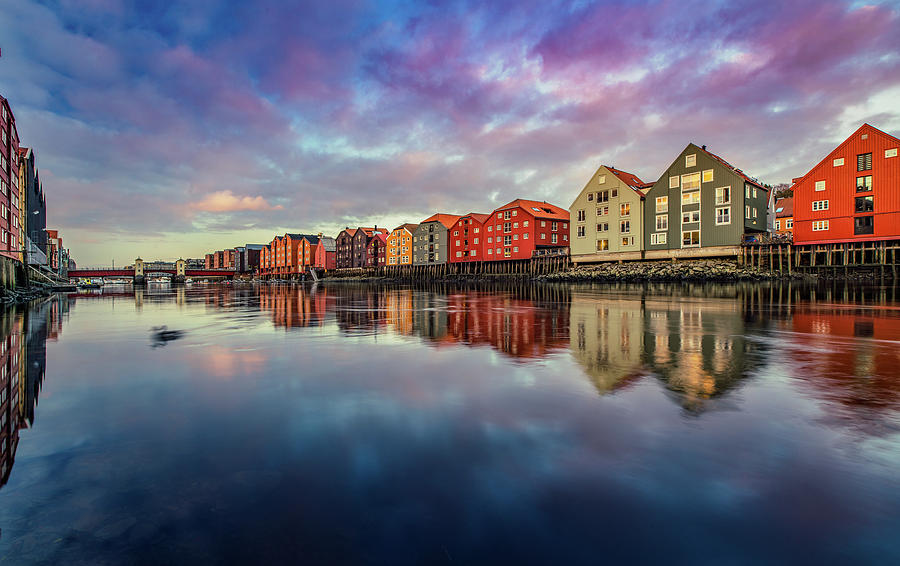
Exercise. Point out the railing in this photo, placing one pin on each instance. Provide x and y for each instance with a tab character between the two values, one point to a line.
766	238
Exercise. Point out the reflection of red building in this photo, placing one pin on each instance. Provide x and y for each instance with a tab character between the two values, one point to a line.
293	307
10	358
513	326
850	357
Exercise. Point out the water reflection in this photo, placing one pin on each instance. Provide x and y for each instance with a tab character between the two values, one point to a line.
23	360
388	424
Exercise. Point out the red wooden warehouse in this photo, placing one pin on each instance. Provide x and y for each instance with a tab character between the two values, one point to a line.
853	194
466	240
516	230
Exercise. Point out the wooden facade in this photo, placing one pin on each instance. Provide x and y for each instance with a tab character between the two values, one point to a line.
853	194
519	228
431	242
400	245
467	238
376	250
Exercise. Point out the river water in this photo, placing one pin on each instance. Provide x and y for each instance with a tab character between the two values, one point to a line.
351	424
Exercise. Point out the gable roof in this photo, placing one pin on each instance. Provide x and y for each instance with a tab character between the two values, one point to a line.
733	169
540	209
447	220
381	237
409	227
629	179
477	216
784	207
328	243
868	128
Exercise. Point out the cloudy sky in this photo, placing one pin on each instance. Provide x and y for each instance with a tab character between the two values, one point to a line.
167	131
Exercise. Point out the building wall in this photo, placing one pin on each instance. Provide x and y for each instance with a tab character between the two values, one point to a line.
430	244
711	233
468	239
344	250
840	191
600	203
9	183
400	247
526	232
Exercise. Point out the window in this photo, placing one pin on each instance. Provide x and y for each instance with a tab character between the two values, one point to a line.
507	253
603	196
673	182
662	222
690	238
543	223
507	240
658	238
515	236
553	226
515	212
789	223
864	184
690	197
723	195
864	162
543	236
601	179
747	211
458	254
602	210
490	240
516	249
778	224
627	241
525	224
754	212
507	227
820	185
690	217
591	197
838	162
865	204
614	193
581	216
625	209
490	228
456	233
491	251
506	214
602	245
754	192
723	216
472	253
662	204
525	236
553	238
690	181
690	160
864	225
820	205
603	227
890	152
820	225
625	226
708	176
476	241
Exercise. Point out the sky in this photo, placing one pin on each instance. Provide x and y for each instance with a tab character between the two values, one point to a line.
167	130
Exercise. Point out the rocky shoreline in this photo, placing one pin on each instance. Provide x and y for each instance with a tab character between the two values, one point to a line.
668	271
22	295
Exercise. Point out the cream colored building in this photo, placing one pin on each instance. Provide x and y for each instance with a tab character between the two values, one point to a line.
607	217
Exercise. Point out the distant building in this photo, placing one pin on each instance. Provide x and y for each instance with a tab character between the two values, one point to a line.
400	245
376	250
33	208
784	215
344	248
325	253
431	243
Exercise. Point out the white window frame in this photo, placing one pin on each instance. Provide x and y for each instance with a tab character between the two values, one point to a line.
820	185
725	201
719	211
690	160
838	162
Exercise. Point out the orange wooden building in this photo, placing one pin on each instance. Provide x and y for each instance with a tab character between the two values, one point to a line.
853	194
399	245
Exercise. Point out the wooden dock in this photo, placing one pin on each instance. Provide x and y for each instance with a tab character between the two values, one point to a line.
876	258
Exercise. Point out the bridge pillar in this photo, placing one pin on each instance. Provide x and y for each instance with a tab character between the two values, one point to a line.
178	278
139	279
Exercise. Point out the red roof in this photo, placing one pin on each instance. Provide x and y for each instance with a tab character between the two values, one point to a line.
540	209
447	220
733	168
629	179
786	206
409	227
382	237
479	217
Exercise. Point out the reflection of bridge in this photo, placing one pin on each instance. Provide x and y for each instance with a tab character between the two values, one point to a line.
139	272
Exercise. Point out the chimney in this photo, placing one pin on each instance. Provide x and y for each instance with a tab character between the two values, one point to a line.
703	148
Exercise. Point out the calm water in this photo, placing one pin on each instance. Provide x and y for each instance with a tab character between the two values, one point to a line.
373	425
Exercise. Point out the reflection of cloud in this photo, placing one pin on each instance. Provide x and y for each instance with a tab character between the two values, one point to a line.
226	201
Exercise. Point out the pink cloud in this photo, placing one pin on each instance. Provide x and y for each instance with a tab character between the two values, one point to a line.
226	201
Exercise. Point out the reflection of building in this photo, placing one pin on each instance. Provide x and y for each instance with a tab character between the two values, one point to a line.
849	357
293	307
10	356
696	347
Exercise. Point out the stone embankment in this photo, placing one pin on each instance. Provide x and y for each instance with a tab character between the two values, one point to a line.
694	271
24	294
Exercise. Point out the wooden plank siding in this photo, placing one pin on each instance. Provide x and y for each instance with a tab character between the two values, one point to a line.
840	190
